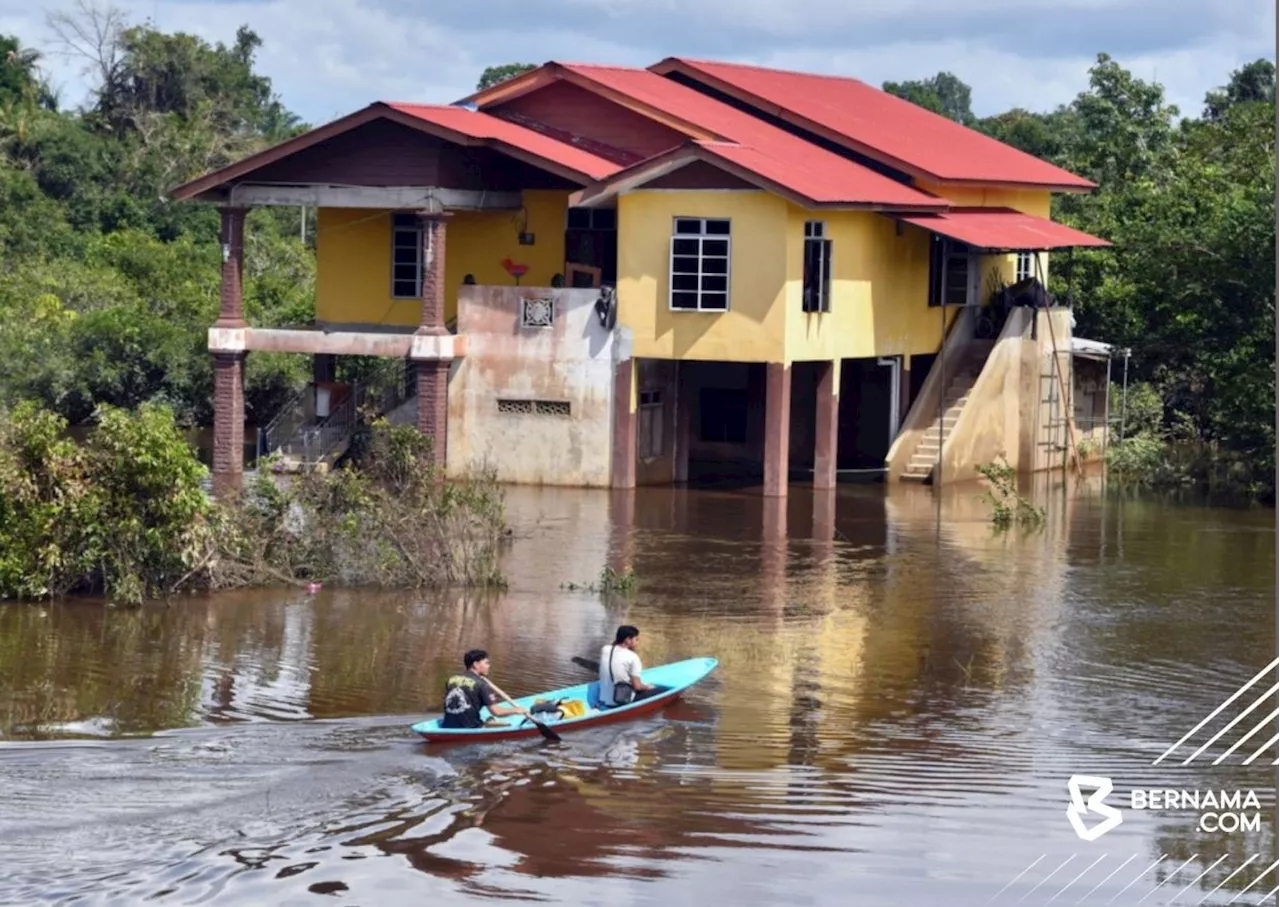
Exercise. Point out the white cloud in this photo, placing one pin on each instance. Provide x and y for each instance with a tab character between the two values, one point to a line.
328	57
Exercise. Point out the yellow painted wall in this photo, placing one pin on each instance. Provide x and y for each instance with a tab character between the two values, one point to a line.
879	290
752	329
478	242
353	257
353	269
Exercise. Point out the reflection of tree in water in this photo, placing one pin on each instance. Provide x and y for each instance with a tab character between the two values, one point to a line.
74	662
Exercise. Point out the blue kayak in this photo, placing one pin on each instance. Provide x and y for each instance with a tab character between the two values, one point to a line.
579	706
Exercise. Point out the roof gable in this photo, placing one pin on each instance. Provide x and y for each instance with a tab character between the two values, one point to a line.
868	120
454	125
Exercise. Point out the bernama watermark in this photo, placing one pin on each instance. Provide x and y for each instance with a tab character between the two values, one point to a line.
1219	811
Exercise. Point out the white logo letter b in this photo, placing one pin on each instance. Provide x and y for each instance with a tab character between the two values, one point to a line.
1077	808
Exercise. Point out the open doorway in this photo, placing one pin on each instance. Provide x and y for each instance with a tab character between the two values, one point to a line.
591	241
869	416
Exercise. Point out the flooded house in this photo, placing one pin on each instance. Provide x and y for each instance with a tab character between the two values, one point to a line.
609	276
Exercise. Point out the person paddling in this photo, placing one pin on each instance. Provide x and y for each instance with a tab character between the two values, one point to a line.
466	694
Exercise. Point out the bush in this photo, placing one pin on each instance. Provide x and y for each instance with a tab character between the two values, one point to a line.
125	515
387	521
122	514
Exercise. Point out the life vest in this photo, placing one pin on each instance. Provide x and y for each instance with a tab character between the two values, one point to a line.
463	701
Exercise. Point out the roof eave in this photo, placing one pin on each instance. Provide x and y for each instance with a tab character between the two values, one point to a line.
943	182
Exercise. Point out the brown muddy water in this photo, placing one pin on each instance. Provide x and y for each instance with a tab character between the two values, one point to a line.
897	712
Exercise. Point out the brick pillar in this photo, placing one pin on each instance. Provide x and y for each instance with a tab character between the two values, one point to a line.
684	428
433	276
433	374
624	425
777	428
828	424
228	423
433	408
231	310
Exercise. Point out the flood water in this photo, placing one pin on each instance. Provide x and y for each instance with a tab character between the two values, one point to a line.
898	708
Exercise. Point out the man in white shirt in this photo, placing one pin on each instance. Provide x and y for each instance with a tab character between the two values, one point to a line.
619	664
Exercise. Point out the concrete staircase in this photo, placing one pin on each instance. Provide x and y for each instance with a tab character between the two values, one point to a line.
925	457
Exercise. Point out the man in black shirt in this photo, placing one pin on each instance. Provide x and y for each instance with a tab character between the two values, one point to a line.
466	694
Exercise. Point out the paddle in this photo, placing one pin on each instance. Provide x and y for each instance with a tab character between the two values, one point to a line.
593	666
542	728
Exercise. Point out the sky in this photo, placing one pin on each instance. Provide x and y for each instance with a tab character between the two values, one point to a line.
327	58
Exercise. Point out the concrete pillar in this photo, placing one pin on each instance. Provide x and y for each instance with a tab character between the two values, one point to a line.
824	522
684	428
777	428
623	466
827	425
904	392
231	308
773	554
228	423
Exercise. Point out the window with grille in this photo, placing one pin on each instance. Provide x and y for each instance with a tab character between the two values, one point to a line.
700	264
406	256
1026	266
816	291
955	278
649	424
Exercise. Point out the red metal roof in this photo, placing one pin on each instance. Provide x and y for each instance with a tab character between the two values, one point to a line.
773	153
1003	229
879	124
478	125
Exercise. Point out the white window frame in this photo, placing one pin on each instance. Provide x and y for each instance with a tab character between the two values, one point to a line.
815	232
1019	272
701	237
650	416
398	230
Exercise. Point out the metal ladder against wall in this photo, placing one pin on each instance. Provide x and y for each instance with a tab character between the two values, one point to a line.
1053	444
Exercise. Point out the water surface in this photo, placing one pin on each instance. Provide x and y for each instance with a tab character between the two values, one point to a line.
899	705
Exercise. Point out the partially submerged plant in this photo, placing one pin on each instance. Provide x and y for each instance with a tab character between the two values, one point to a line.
1007	505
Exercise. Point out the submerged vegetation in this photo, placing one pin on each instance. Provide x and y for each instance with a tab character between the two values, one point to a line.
125	514
1008	506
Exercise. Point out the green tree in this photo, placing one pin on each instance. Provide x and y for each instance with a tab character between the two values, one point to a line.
492	75
1253	83
944	94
